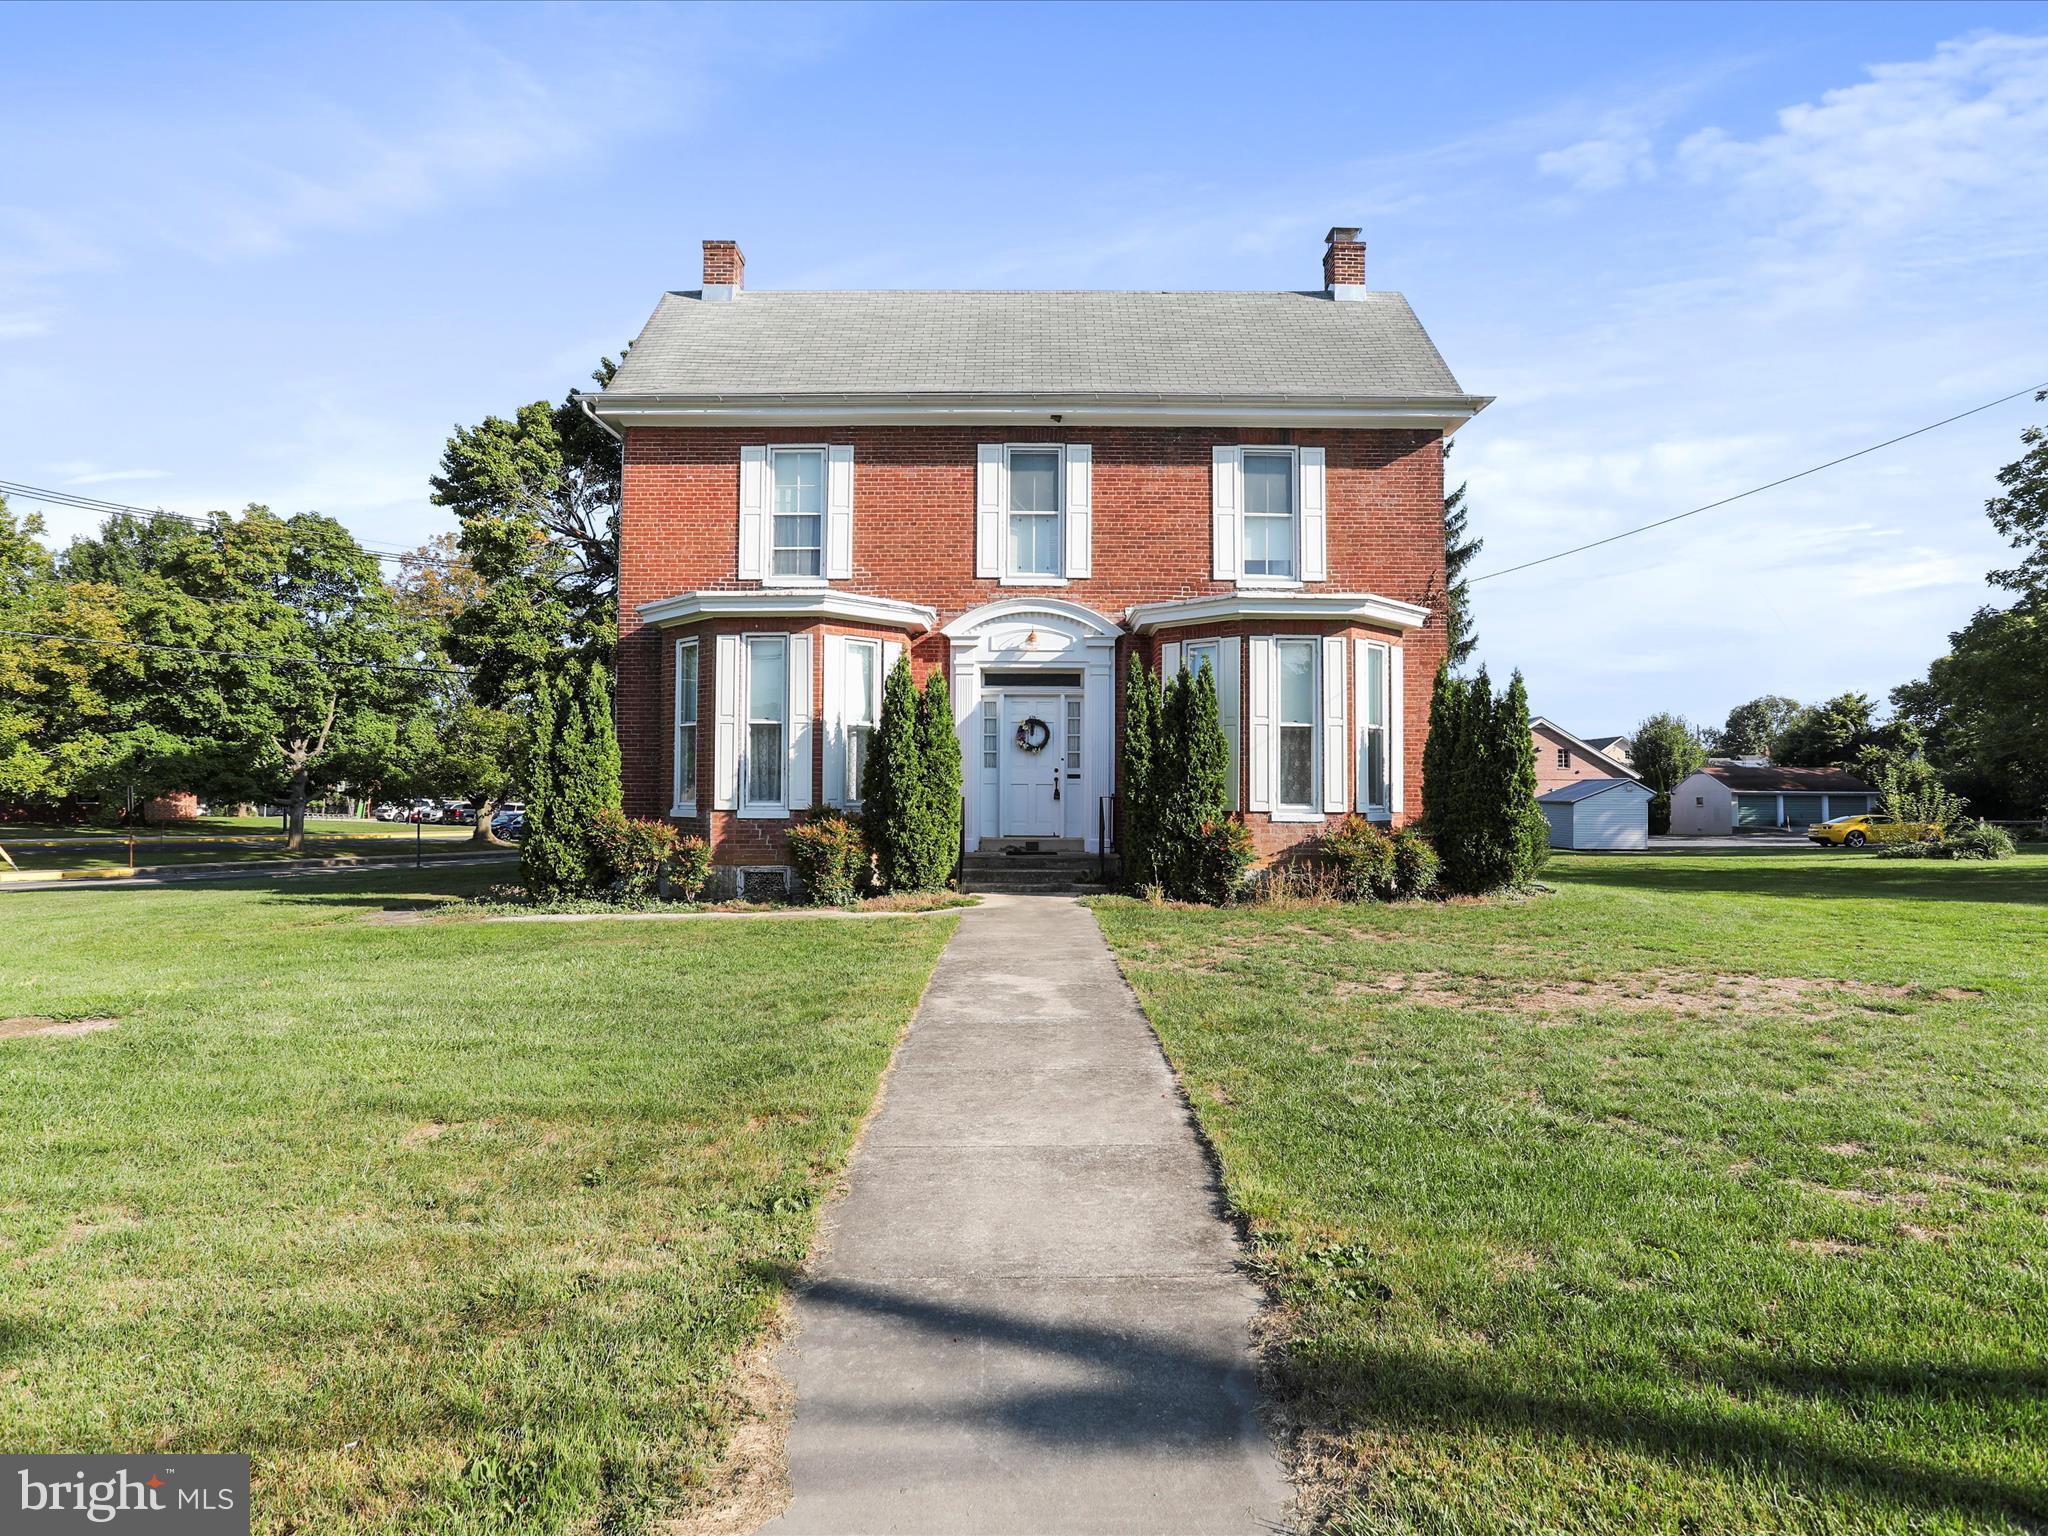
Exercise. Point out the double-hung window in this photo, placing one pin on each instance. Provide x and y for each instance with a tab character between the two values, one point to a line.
1269	516
1033	536
863	709
1378	784
685	801
1200	654
761	779
798	546
1296	725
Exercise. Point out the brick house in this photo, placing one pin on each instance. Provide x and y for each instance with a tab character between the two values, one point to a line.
1024	488
1563	759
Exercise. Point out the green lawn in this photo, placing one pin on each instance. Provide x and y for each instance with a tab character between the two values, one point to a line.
452	1225
150	853
1703	1194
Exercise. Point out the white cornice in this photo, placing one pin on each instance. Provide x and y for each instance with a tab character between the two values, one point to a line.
1361	607
1440	414
797	603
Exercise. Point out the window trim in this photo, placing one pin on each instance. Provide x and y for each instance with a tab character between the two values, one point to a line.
746	807
1010	576
769	578
1564	758
847	723
678	806
1313	809
1293	582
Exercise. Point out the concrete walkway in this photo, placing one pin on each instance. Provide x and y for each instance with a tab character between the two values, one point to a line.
1026	1317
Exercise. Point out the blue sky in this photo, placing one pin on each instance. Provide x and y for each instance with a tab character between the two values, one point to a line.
274	253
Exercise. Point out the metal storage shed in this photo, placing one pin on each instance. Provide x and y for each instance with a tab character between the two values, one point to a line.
1598	813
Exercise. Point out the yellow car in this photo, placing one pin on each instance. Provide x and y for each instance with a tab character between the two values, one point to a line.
1855	831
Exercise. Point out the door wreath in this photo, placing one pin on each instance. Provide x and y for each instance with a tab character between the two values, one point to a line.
1034	735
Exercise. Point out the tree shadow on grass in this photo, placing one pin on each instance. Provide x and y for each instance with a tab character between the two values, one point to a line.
2022	881
1385	1389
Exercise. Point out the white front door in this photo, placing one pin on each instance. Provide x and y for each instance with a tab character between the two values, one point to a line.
1031	780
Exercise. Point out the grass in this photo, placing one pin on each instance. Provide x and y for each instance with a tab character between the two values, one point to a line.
1607	1210
175	854
452	1225
222	826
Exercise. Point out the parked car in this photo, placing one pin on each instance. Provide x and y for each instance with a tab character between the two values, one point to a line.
458	813
1855	831
510	822
390	810
423	811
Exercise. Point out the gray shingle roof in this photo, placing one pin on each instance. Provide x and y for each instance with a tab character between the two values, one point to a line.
1584	789
1280	346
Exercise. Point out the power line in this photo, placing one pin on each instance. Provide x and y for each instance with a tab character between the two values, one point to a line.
200	650
47	497
1755	490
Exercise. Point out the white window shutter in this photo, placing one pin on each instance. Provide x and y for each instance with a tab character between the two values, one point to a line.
892	652
753	513
800	722
988	509
1397	733
1169	663
1261	659
1227	707
833	720
839	512
1336	735
1080	508
1315	520
725	704
1226	528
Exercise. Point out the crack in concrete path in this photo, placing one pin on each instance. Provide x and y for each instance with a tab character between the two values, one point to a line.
1028	1314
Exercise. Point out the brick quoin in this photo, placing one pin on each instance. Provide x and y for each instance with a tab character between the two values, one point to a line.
913	540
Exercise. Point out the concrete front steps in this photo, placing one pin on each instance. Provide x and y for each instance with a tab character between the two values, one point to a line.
1055	870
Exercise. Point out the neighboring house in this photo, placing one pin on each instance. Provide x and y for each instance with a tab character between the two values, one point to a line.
1562	758
1730	795
1615	747
1024	489
1598	813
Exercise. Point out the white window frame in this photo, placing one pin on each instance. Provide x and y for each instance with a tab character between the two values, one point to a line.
1313	810
679	804
849	723
1244	519
749	807
768	574
1381	809
1564	758
1198	651
1012	577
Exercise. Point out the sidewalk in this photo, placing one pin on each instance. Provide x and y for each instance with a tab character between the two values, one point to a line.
1026	1315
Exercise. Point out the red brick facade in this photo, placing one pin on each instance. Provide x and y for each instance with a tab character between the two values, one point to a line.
913	541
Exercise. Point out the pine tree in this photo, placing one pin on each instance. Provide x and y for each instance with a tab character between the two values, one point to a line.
936	816
1134	781
1440	748
1459	631
889	780
572	776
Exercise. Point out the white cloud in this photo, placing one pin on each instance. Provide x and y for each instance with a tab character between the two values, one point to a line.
1601	164
92	474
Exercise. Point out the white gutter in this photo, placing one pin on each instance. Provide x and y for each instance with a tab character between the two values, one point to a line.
1357	607
853	408
583	401
789	603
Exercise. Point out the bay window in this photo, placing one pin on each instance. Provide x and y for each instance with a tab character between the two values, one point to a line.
767	732
1296	726
863	709
685	799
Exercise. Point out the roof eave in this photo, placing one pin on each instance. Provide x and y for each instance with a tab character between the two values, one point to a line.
1440	413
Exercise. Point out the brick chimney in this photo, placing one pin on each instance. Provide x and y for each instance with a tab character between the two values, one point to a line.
1343	264
725	270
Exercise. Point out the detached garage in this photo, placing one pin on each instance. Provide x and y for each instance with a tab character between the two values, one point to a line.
1598	813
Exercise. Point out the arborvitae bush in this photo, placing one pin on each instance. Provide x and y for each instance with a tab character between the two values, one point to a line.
1189	794
935	817
1134	783
890	781
1479	786
572	777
